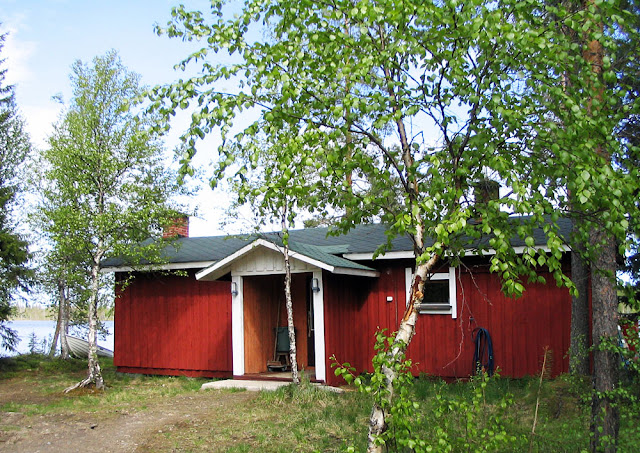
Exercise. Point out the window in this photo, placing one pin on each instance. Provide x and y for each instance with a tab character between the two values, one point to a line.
439	293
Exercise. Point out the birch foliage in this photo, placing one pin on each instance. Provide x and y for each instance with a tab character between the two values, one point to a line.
426	100
440	95
105	186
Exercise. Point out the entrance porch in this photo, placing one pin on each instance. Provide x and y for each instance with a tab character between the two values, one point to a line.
259	308
265	310
258	301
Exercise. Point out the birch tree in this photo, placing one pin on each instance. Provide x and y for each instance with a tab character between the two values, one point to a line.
440	95
278	183
106	188
56	282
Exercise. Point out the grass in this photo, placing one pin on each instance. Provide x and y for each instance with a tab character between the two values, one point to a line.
286	420
304	419
42	380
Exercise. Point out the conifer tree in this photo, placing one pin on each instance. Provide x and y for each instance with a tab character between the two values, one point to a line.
15	274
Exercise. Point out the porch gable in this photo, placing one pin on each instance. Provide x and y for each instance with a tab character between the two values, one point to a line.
263	257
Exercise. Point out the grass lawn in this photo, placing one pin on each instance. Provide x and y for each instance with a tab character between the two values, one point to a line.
174	415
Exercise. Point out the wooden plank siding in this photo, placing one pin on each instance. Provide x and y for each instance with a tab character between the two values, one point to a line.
174	326
521	328
262	297
179	326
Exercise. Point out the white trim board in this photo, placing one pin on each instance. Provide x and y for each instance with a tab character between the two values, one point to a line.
368	256
159	267
237	328
318	325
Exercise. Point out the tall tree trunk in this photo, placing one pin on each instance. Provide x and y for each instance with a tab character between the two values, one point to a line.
293	355
407	327
580	327
94	375
406	331
64	317
295	375
605	417
580	341
56	335
62	323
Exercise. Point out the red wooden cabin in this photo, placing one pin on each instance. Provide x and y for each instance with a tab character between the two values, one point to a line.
218	320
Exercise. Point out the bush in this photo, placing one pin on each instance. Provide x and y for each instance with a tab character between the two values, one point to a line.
463	423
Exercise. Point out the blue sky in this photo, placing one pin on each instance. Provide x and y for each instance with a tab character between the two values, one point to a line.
47	36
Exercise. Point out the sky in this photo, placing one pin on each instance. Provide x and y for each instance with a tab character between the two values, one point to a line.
45	37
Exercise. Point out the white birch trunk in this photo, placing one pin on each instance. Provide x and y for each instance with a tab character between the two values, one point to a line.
295	375
293	355
56	335
62	324
406	331
64	327
94	375
407	328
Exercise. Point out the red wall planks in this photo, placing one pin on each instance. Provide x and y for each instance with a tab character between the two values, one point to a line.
521	328
173	325
177	325
354	309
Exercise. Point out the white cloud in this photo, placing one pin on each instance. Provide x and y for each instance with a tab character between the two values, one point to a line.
16	52
40	120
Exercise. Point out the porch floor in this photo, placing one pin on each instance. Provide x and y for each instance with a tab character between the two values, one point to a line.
249	385
258	385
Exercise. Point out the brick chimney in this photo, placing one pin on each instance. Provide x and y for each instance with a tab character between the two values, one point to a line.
486	190
179	227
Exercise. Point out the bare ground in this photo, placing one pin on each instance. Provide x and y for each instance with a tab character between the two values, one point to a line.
138	430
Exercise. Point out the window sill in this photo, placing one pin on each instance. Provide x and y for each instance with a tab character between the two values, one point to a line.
435	309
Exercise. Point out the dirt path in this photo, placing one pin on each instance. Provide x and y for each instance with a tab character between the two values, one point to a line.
115	432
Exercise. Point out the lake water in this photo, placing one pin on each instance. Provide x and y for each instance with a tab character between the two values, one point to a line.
44	330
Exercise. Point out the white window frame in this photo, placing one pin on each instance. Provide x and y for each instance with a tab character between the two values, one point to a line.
453	296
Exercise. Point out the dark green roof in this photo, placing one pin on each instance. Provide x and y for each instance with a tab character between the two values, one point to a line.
322	254
314	243
195	249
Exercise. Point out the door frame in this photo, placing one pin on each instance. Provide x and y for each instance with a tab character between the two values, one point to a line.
237	326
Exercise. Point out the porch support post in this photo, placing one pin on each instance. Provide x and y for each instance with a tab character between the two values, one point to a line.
318	322
237	327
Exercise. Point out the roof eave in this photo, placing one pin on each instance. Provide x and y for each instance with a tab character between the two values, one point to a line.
158	267
356	272
404	254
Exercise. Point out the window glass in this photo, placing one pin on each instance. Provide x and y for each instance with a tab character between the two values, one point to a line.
436	292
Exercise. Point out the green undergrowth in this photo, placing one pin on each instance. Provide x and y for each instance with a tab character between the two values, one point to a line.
309	419
497	414
484	414
318	419
38	365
